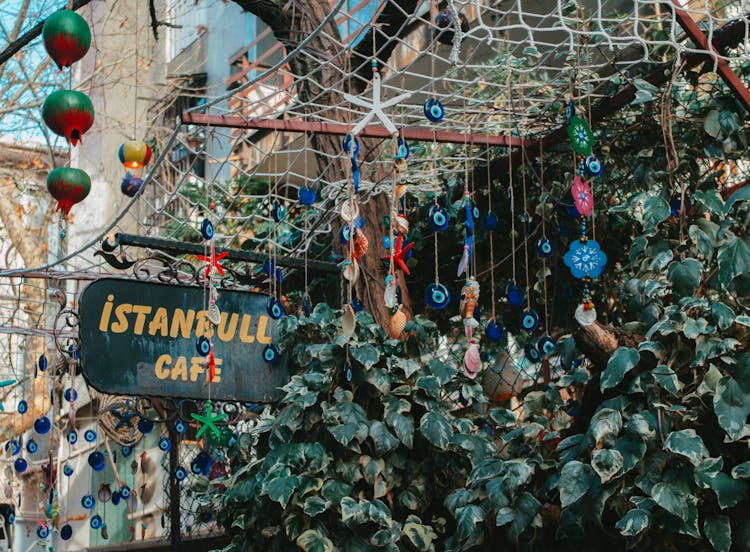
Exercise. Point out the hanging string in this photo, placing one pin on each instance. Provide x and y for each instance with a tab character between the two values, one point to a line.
544	234
511	111
525	198
492	247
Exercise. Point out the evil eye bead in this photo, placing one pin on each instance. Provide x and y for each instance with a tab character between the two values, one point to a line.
489	222
274	308
66	531
437	218
31	446
404	151
494	331
126	451
20	465
180	427
96	461
42	425
11	518
546	345
345	234
279	211
532	353
203	346
675	205
544	247
23	407
434	110
96	522
72	437
165	444
306	307
71	395
347	370
474	210
42	531
67	469
515	294
89	435
306	195
529	320
42	363
271	354
145	426
13	447
180	473
357	305
196	468
115	498
437	296
88	502
125	492
594	165
386	242
207	229
570	110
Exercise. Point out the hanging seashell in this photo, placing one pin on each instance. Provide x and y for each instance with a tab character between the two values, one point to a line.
390	292
400	164
400	223
214	314
349	211
348	322
104	493
351	270
472	361
361	244
397	323
401	191
585	315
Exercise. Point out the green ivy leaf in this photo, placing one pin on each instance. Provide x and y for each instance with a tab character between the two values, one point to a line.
367	355
693	328
607	463
622	361
672	496
314	505
731	406
729	492
723	315
384	440
503	417
575	481
467	517
525	510
403	426
655	210
443	371
718	531
280	489
711	199
685	276
344	433
734	258
605	424
665	378
436	429
743	194
634	522
420	536
687	443
312	541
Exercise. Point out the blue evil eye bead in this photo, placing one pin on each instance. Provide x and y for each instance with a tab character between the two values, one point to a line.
66	531
515	294
23	407
115	498
675	204
357	305
489	222
11	517
126	451
203	346
345	234
88	502
20	465
74	351
404	151
529	320
546	345
306	195
306	307
437	296
532	353
271	354
274	308
434	110
31	446
95	522
570	110
437	218
145	426
89	435
386	242
42	363
593	165
42	425
494	331
13	447
96	460
71	395
180	427
180	473
165	444
279	211
350	145
347	370
544	247
42	531
67	469
72	436
207	229
474	210
125	492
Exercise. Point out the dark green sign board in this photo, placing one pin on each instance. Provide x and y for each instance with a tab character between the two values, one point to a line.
139	338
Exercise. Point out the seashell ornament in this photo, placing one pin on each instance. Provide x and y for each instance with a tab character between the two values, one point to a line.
397	323
348	322
472	360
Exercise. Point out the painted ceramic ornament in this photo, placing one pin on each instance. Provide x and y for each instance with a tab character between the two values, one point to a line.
582	197
515	295
437	296
115	498
134	154
203	346
42	363
404	151
444	22
68	186
357	305
165	444
396	323
125	492
180	427
42	531
585	314
581	137
42	425
348	322
489	222
89	435
271	354
434	110
546	345
68	113
570	110
593	165
306	195
96	522
494	331
72	437
585	259
145	425
675	205
66	531
180	473
67	37
306	306
468	304
472	360
531	353
207	229
275	308
530	320
437	218
544	247
96	460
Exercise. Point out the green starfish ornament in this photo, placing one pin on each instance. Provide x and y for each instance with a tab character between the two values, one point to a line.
208	420
581	137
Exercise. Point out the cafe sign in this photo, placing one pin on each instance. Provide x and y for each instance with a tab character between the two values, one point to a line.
139	338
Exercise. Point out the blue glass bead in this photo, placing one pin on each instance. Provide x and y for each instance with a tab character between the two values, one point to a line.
494	331
529	320
437	296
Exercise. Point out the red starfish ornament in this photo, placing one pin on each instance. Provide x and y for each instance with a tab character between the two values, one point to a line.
213	261
399	252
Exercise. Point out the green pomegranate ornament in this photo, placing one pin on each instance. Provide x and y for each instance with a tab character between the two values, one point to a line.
68	113
68	186
67	37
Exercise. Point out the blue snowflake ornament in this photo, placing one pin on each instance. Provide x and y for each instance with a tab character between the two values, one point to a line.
585	259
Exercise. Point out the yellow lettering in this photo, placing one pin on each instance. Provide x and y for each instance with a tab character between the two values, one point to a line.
159	323
196	368
217	374
245	334
203	326
106	312
182	323
121	325
180	369
227	334
140	320
159	369
262	327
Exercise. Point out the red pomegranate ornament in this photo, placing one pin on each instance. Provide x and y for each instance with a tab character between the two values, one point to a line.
67	37
68	113
68	186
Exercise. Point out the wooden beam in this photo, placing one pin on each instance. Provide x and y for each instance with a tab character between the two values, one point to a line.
416	134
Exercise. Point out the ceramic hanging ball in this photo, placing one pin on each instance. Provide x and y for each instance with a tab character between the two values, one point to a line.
67	37
42	425
68	113
134	154
68	186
